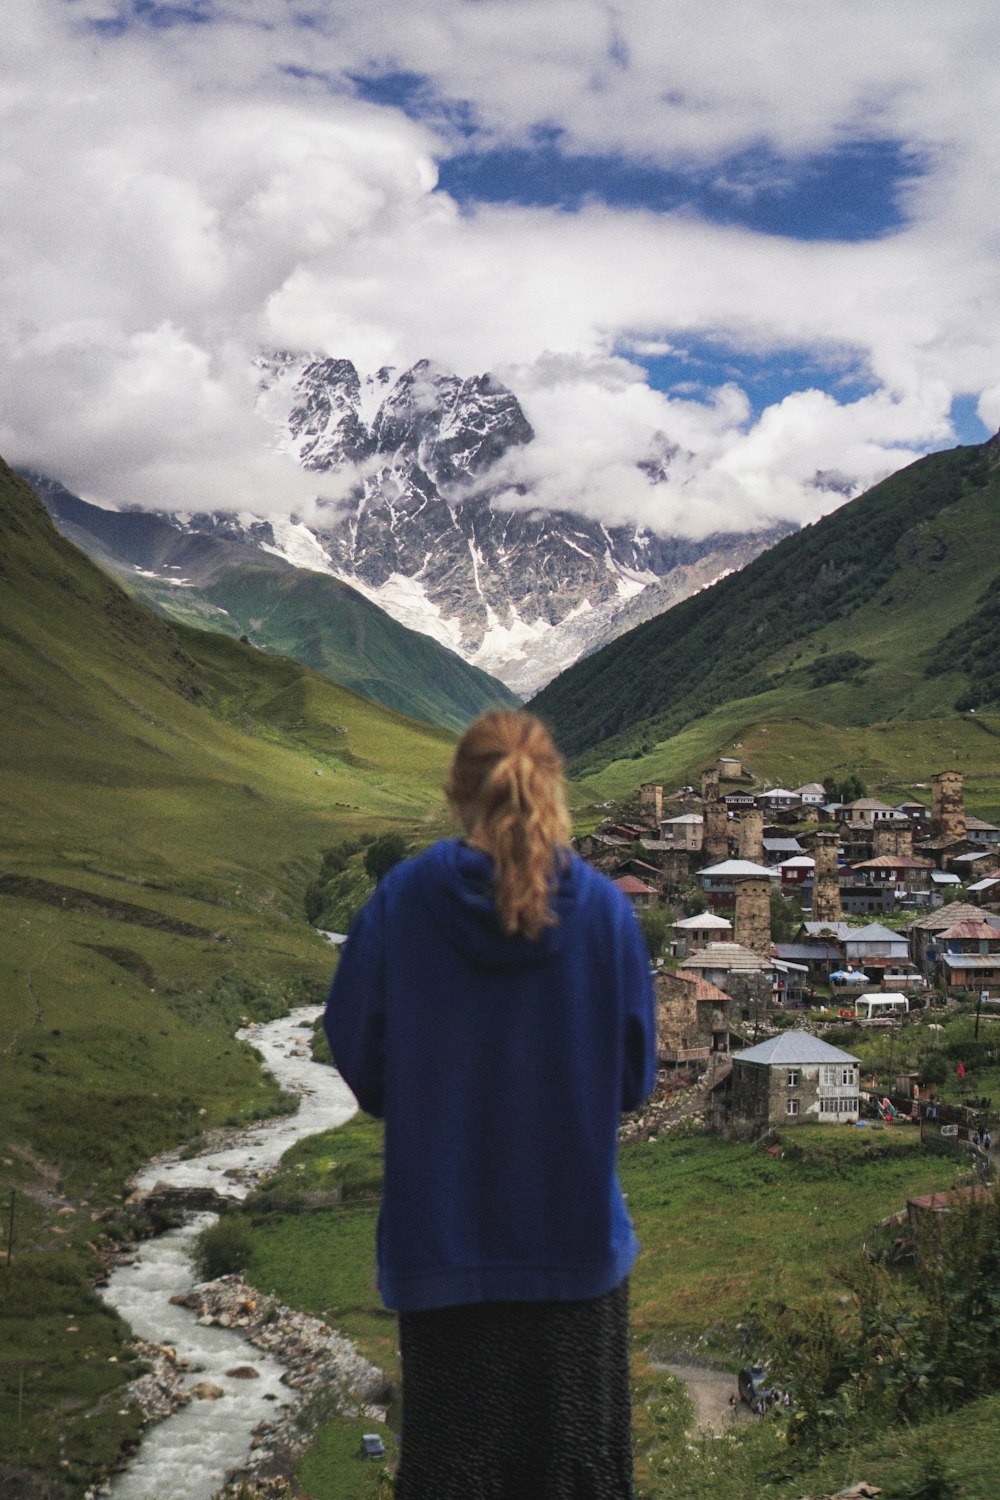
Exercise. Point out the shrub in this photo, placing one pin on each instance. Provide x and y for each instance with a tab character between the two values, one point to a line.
899	1350
223	1247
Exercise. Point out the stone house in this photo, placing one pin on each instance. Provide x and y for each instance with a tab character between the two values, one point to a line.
719	880
641	895
908	877
693	1018
684	832
869	810
599	845
794	1078
695	932
719	962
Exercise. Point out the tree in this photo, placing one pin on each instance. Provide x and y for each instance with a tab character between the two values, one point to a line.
933	1068
386	851
655	922
786	916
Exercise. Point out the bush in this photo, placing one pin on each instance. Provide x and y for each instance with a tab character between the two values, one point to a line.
223	1247
386	851
905	1350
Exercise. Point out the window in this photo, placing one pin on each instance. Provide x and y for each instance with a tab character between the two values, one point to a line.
793	1078
792	1107
838	1106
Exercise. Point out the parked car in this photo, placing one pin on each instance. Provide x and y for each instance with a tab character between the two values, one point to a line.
752	1385
372	1446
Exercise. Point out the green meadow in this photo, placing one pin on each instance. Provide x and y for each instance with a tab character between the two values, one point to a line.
729	1234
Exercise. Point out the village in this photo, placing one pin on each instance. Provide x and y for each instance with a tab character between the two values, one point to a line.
807	916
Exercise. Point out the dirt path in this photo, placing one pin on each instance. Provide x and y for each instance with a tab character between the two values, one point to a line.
711	1393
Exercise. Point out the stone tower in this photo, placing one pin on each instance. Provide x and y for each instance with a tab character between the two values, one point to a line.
887	839
710	784
715	840
651	800
826	888
947	806
752	921
752	835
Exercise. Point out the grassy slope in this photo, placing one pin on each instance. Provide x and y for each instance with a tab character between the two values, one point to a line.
319	620
886	578
724	1228
336	631
165	799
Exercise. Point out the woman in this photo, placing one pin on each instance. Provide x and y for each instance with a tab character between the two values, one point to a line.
493	1003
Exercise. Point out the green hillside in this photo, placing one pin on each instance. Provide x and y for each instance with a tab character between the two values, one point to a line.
227	585
877	618
166	798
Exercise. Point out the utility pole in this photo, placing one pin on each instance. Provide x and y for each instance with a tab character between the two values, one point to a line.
10	1225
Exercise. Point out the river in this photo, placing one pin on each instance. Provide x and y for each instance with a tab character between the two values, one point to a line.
186	1456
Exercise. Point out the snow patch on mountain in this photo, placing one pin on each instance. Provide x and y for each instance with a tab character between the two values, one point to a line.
522	593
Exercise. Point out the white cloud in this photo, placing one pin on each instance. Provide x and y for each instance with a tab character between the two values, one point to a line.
177	197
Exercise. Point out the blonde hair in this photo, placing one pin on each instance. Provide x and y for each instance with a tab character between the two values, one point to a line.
507	786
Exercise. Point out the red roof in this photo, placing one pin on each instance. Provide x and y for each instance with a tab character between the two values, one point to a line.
633	887
704	989
970	930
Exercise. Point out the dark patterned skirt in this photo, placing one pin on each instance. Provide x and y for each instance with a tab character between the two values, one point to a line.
517	1401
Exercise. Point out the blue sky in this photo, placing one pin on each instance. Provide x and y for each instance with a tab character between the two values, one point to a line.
753	234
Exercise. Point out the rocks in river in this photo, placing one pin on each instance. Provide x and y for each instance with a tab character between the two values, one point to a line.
243	1372
315	1356
206	1391
319	1362
158	1393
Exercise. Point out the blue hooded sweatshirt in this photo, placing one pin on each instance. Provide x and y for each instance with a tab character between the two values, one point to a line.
501	1067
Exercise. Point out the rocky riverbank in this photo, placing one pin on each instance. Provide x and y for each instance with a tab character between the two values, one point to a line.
318	1361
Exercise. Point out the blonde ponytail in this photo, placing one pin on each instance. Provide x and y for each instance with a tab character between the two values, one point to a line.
507	786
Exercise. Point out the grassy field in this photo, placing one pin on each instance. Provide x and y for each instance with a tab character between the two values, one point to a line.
727	1232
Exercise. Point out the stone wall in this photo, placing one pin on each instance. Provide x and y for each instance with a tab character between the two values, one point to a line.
887	839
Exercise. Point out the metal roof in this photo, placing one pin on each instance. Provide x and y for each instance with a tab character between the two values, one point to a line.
794	1047
703	921
734	867
874	933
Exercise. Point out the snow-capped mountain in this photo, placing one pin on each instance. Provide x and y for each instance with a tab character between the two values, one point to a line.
521	594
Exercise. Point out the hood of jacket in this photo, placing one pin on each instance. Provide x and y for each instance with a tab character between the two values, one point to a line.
457	886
